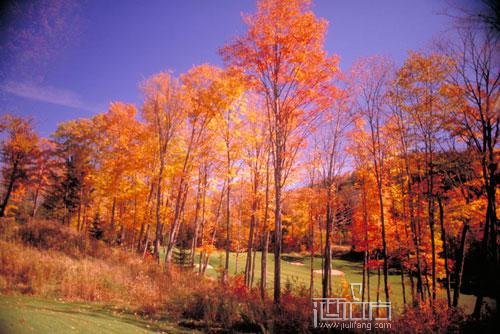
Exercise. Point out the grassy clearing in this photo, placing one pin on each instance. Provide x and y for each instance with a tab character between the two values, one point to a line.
22	314
299	275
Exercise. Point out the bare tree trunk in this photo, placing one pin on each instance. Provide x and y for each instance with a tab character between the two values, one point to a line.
265	234
263	265
427	284
194	241
146	242
367	276
403	287
363	282
178	212
378	279
139	240
217	216
84	222
445	250
488	251
203	208
366	269
420	283
433	247
321	245
113	209
460	265
311	250
401	266
228	232
327	266
278	170
248	267
79	216
384	243
253	265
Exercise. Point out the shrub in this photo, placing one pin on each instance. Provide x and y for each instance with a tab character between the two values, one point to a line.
429	319
49	235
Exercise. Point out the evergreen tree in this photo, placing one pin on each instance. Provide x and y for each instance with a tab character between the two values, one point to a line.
64	197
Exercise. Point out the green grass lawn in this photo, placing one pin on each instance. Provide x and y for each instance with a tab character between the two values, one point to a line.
23	314
300	275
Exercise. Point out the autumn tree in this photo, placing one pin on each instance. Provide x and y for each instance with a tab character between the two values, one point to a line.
283	57
254	155
43	163
330	142
476	75
121	166
17	150
371	77
163	113
207	91
422	78
403	136
228	122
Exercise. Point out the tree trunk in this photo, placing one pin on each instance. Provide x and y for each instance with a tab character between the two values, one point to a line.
248	266
403	286
84	222
460	265
277	232
367	276
265	235
420	282
489	252
113	209
139	242
384	242
378	278
327	267
428	285
363	282
253	266
203	208
146	241
10	187
78	216
433	246
194	241
311	249
228	232
445	250
263	265
174	227
217	216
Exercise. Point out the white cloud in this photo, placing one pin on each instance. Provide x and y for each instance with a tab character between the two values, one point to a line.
57	96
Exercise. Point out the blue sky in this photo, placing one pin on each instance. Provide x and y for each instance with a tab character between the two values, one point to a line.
101	50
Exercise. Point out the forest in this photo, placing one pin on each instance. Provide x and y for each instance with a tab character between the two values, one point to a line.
234	195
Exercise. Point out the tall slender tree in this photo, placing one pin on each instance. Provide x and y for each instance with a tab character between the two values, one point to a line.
283	57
